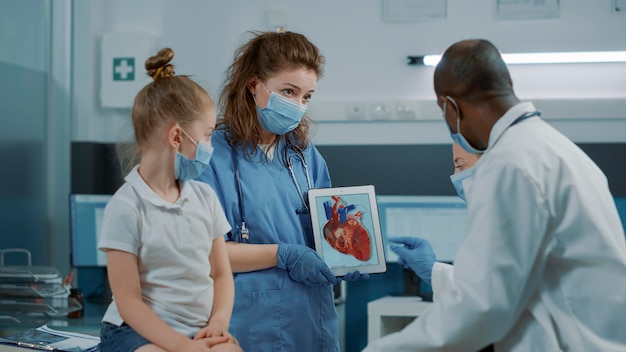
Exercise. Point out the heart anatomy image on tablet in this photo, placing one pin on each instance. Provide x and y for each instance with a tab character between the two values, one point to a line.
346	229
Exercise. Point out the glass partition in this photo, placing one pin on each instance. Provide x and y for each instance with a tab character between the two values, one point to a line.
24	68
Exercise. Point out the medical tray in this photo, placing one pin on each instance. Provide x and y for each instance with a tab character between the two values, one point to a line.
26	273
38	290
27	289
54	307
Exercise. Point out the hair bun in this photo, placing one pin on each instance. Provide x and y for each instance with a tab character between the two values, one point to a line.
159	66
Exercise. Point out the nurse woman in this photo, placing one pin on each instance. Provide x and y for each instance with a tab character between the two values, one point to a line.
263	166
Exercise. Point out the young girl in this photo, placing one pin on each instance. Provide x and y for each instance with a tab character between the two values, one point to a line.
163	232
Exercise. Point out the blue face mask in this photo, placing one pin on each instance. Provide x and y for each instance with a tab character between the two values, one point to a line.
281	115
187	169
458	137
457	181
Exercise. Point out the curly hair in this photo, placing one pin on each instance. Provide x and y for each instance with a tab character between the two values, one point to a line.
264	55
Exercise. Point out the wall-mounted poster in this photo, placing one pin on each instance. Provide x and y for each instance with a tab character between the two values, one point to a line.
527	9
413	10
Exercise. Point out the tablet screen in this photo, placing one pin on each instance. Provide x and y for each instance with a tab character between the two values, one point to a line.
346	229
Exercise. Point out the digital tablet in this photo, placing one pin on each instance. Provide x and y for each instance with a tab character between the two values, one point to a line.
346	229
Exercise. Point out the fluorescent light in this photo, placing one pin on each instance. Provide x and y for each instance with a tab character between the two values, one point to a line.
549	58
431	60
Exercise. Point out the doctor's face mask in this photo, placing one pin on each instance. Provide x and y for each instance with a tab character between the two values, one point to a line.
281	115
458	137
457	181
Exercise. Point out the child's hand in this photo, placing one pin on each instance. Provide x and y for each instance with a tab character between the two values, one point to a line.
211	330
214	330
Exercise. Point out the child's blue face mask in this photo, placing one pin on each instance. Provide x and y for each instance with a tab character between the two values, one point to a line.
281	115
187	169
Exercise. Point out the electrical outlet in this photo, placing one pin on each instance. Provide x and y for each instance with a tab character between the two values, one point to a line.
381	111
406	110
356	111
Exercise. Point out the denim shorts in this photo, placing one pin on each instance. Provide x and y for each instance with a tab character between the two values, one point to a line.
123	338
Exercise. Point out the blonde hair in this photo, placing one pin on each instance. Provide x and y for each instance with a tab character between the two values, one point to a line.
167	99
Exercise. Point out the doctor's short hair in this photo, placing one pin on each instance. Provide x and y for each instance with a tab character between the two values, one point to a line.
264	55
472	70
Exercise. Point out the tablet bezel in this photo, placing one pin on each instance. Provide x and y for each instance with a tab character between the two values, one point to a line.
376	238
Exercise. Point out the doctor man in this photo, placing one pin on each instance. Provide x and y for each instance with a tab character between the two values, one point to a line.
543	267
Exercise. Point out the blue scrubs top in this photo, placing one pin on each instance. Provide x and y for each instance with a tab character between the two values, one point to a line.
272	312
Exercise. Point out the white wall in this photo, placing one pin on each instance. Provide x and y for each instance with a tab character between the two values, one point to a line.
366	60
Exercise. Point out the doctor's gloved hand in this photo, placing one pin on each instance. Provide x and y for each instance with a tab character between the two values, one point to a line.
304	265
355	275
415	253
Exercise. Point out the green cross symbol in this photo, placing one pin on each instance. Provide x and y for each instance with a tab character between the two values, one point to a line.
123	69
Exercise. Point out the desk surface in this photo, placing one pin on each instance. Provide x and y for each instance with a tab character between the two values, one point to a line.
9	348
89	326
90	323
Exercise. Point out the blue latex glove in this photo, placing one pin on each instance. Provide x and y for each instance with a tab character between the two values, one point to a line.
355	275
304	265
417	254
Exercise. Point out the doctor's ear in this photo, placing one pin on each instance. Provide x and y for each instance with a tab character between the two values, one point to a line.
448	99
442	101
448	104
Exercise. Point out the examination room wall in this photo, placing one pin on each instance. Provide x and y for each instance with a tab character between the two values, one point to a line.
366	60
366	67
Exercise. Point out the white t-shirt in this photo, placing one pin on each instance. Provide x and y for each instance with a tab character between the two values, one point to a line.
173	242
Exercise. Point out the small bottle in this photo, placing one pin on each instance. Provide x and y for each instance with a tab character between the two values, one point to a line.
77	294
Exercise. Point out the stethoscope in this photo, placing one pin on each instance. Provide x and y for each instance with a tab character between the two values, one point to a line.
525	116
244	232
289	163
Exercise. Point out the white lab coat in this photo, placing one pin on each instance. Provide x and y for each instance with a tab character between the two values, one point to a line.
543	267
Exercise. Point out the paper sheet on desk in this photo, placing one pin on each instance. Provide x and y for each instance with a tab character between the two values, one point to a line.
83	341
44	337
